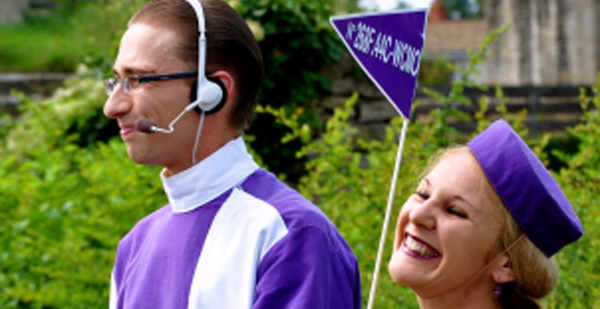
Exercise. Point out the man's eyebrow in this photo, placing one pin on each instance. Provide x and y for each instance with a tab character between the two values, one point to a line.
131	71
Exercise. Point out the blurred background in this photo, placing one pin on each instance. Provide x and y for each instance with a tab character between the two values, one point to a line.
68	191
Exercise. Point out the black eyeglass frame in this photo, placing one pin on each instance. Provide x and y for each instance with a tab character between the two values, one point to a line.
110	83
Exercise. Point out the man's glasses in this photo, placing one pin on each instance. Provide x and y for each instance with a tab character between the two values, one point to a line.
132	82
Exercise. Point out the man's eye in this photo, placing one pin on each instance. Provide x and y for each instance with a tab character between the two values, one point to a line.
453	210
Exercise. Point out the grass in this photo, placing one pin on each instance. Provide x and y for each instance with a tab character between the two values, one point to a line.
38	47
60	40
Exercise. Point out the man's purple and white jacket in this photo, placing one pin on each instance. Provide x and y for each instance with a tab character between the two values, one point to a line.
234	236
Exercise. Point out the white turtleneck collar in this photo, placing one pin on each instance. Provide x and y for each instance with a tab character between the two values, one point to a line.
219	172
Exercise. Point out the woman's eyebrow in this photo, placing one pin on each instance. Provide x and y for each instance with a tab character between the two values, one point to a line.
468	203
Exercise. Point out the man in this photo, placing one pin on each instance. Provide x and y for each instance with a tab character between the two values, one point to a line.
232	236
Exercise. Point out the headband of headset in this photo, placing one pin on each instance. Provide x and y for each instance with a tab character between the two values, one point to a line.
208	94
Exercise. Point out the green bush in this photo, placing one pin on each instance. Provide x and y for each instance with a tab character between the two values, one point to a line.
580	263
352	185
71	35
298	43
350	179
64	207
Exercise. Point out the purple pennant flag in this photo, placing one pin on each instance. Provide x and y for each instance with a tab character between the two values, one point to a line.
388	46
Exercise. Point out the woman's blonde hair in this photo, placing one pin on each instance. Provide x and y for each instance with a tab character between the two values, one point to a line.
536	275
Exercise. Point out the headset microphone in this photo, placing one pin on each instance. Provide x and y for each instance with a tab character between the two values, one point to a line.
146	125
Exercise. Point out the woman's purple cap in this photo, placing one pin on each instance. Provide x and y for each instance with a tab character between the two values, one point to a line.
526	187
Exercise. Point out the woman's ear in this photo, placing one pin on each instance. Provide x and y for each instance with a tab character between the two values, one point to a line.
502	271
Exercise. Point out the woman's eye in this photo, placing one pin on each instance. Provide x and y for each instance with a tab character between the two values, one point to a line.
453	210
422	194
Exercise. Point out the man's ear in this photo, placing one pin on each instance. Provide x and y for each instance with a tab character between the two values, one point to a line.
502	271
227	81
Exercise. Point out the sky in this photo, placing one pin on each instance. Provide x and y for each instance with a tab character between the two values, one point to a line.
384	5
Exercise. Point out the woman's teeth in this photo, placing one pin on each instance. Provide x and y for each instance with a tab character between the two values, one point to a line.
420	248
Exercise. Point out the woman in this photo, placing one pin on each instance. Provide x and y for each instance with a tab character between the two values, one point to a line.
482	226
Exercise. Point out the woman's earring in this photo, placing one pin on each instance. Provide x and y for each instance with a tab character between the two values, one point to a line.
497	291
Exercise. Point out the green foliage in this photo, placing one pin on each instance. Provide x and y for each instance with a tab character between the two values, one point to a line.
435	72
351	185
450	113
64	207
583	166
289	45
298	42
73	34
580	263
63	216
16	53
350	178
464	9
73	115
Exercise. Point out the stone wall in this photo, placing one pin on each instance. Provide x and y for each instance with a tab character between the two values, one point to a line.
33	85
11	11
550	42
550	109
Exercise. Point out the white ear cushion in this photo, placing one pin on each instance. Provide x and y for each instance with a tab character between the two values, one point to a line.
209	95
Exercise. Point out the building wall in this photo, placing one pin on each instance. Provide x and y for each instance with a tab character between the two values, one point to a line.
11	11
549	43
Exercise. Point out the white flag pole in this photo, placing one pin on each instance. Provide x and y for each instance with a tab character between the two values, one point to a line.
388	212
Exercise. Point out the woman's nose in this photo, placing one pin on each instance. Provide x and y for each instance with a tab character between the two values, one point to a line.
423	214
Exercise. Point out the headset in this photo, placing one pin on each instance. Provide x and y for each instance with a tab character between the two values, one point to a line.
208	95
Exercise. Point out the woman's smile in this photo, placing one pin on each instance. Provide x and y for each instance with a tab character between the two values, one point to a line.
415	247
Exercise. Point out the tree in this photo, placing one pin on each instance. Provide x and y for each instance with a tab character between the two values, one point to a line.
464	9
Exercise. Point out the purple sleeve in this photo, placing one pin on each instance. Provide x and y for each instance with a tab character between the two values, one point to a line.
309	268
